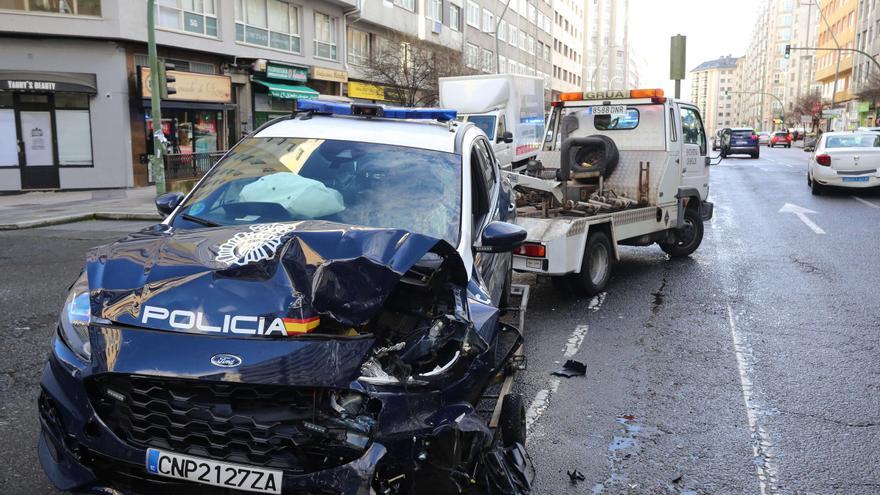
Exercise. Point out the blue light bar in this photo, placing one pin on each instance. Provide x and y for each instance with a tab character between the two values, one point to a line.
372	110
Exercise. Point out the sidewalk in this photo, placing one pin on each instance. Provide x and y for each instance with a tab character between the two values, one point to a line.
38	209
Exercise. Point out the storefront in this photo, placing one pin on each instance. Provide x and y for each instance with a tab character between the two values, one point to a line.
195	119
45	125
365	91
275	90
327	81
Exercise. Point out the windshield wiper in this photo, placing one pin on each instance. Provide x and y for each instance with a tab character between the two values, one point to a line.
199	220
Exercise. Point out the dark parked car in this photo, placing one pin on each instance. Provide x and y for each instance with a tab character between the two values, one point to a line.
319	315
739	141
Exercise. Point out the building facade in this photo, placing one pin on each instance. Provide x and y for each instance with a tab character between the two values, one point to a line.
607	63
837	28
713	87
568	46
866	75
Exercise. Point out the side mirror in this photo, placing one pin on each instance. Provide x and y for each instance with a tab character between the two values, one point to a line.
505	137
501	237
167	202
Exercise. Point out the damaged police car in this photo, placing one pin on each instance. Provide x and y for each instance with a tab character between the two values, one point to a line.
319	315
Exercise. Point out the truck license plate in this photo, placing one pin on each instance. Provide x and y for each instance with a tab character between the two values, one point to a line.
608	110
214	473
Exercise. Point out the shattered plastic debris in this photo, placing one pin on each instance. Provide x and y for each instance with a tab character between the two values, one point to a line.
575	476
571	368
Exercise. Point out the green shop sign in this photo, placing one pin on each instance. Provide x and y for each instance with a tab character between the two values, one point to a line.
287	72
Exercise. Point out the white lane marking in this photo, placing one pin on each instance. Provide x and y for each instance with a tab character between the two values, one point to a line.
540	404
865	201
573	345
761	443
801	213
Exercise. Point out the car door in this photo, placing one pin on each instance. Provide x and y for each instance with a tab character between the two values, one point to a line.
694	169
486	189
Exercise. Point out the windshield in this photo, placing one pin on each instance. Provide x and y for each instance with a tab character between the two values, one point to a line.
486	123
373	185
853	141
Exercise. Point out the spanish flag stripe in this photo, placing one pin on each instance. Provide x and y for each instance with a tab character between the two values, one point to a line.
296	326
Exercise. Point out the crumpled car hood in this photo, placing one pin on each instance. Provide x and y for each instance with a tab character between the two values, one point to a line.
273	280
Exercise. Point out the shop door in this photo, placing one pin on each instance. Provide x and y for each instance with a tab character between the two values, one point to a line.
37	158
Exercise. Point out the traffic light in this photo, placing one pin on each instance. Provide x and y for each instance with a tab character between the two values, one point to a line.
787	51
166	80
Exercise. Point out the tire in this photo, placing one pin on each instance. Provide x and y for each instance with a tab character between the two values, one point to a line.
693	228
723	154
512	421
595	265
815	188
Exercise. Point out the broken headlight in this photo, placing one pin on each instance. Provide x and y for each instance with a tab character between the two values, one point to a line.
75	319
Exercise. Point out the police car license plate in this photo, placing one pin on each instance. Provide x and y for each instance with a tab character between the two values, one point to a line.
608	110
855	179
215	473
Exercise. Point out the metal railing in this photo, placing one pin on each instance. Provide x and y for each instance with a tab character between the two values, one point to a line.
190	166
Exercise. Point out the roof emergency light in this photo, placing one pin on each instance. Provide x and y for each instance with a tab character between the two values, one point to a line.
374	110
655	94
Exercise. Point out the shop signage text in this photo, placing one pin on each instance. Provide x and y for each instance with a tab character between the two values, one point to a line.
365	91
334	75
192	86
31	85
298	74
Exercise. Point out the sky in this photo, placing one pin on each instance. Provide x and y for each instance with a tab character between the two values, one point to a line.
714	28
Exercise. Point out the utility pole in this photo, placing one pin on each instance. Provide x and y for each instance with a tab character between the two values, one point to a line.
157	163
497	43
837	67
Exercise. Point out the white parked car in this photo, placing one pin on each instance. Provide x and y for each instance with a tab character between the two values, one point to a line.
845	159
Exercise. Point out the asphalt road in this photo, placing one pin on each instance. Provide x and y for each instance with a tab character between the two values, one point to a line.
751	367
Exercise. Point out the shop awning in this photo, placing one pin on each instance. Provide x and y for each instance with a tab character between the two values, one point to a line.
45	81
287	91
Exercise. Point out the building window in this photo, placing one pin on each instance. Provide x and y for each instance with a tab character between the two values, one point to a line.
192	16
407	4
67	7
269	23
488	60
74	129
472	56
513	35
358	46
455	17
437	10
325	36
473	14
502	30
488	22
502	63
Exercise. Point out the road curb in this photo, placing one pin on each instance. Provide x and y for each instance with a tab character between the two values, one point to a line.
101	215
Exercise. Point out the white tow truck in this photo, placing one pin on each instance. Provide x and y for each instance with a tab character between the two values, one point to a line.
617	167
509	108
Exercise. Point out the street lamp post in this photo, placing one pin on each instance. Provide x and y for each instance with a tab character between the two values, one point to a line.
497	43
837	65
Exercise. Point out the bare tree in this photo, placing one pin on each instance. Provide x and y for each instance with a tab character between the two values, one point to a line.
409	69
870	90
808	105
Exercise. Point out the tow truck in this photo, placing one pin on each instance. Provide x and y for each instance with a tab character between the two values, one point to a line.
617	168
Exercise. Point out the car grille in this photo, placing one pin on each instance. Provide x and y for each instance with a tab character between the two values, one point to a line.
263	425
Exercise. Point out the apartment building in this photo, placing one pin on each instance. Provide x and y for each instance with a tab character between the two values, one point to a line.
74	106
607	63
713	87
568	46
771	81
865	72
837	28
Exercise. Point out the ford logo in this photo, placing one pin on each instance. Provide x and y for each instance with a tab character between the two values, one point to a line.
225	360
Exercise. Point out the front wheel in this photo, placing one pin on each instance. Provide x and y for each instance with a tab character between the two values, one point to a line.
512	421
595	265
688	236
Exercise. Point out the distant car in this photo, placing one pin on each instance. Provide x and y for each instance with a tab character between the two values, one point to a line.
780	139
844	159
764	138
739	141
716	140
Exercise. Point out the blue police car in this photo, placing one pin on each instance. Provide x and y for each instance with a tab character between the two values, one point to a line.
320	314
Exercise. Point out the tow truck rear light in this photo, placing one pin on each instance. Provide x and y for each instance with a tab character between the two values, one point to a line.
646	93
555	103
823	160
531	250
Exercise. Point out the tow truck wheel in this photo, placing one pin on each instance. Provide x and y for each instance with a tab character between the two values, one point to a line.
688	237
595	266
512	421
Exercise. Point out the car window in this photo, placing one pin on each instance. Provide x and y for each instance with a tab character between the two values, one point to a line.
355	183
479	188
742	134
502	126
781	134
486	164
673	135
486	123
618	122
692	128
853	141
